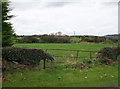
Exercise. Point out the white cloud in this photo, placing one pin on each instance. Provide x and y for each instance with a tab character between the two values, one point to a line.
89	17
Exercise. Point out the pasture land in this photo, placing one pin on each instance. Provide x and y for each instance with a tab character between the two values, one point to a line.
60	73
70	54
82	46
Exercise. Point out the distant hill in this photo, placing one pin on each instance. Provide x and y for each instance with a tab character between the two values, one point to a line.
112	35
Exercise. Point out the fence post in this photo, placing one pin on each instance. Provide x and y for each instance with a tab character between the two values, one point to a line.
77	55
90	55
44	60
46	50
44	64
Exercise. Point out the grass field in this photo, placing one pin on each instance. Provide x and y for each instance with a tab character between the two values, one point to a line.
100	76
83	46
57	75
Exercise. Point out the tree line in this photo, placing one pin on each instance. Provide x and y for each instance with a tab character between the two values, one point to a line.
46	38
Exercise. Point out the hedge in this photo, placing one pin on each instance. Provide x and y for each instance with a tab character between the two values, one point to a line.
109	54
25	55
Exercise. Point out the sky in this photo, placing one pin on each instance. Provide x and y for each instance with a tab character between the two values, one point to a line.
71	17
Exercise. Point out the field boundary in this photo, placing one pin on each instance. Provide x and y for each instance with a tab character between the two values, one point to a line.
77	53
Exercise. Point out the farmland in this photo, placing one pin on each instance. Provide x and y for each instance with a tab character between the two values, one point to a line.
84	46
58	75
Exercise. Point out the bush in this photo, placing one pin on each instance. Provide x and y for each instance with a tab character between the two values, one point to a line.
28	40
108	54
55	39
25	56
94	39
75	40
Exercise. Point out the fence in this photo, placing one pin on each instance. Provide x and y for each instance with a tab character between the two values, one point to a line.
77	53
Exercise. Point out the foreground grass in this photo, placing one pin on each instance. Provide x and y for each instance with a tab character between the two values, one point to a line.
100	76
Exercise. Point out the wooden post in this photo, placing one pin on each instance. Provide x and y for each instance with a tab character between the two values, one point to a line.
44	64
90	55
77	55
46	50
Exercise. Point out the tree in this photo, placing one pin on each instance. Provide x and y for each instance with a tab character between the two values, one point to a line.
7	29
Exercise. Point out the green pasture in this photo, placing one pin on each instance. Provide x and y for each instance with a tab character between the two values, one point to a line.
82	46
57	74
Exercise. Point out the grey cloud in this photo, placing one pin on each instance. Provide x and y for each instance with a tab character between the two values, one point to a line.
23	5
58	4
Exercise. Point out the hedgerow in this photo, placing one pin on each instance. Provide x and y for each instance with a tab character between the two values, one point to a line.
24	55
108	54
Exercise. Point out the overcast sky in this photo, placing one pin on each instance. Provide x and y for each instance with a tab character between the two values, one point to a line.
82	17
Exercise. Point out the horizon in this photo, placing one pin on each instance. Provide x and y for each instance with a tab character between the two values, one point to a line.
69	35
